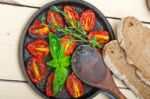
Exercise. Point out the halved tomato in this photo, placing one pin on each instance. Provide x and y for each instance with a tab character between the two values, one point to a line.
101	36
49	85
69	44
71	16
36	69
38	48
39	30
87	19
74	86
55	18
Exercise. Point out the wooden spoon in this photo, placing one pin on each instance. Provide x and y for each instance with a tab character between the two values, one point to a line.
88	65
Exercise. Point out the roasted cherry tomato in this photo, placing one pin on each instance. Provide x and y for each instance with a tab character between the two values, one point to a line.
71	15
55	18
38	48
74	86
101	36
69	44
49	85
36	69
38	30
87	19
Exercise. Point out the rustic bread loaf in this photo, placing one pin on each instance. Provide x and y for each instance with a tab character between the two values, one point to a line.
134	38
114	58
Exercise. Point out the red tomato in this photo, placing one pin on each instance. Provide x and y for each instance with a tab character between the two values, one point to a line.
87	19
38	30
71	14
38	48
55	18
49	85
69	44
101	36
74	86
36	69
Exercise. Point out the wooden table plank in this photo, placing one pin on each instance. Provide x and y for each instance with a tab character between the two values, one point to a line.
9	64
12	22
122	8
9	1
9	90
115	8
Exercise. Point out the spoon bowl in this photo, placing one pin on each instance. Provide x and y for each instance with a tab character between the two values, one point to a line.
88	65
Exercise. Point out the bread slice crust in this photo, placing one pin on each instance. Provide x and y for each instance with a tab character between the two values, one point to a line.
134	38
114	58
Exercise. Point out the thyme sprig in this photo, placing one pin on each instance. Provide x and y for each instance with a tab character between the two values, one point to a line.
77	27
54	8
43	19
76	31
68	31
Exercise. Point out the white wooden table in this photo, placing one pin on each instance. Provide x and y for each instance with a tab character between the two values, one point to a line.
14	15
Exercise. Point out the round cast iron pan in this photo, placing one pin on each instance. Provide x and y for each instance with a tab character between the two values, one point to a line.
79	5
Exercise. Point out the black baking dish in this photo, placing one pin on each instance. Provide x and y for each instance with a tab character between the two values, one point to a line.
79	5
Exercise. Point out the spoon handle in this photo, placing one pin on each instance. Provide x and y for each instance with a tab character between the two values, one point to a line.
109	85
115	91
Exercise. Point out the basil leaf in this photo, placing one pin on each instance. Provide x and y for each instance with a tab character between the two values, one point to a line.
61	53
54	45
65	62
53	63
59	79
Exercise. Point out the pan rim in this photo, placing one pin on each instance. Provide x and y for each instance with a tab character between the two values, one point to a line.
21	41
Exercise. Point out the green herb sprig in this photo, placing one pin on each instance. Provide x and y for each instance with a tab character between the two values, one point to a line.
76	31
68	31
59	62
43	20
77	27
54	8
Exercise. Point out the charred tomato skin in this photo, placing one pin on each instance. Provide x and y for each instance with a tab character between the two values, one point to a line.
38	48
49	85
101	36
71	14
38	30
68	45
36	69
87	19
55	18
74	86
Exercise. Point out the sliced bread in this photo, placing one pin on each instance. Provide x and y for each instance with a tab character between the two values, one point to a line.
134	38
114	58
